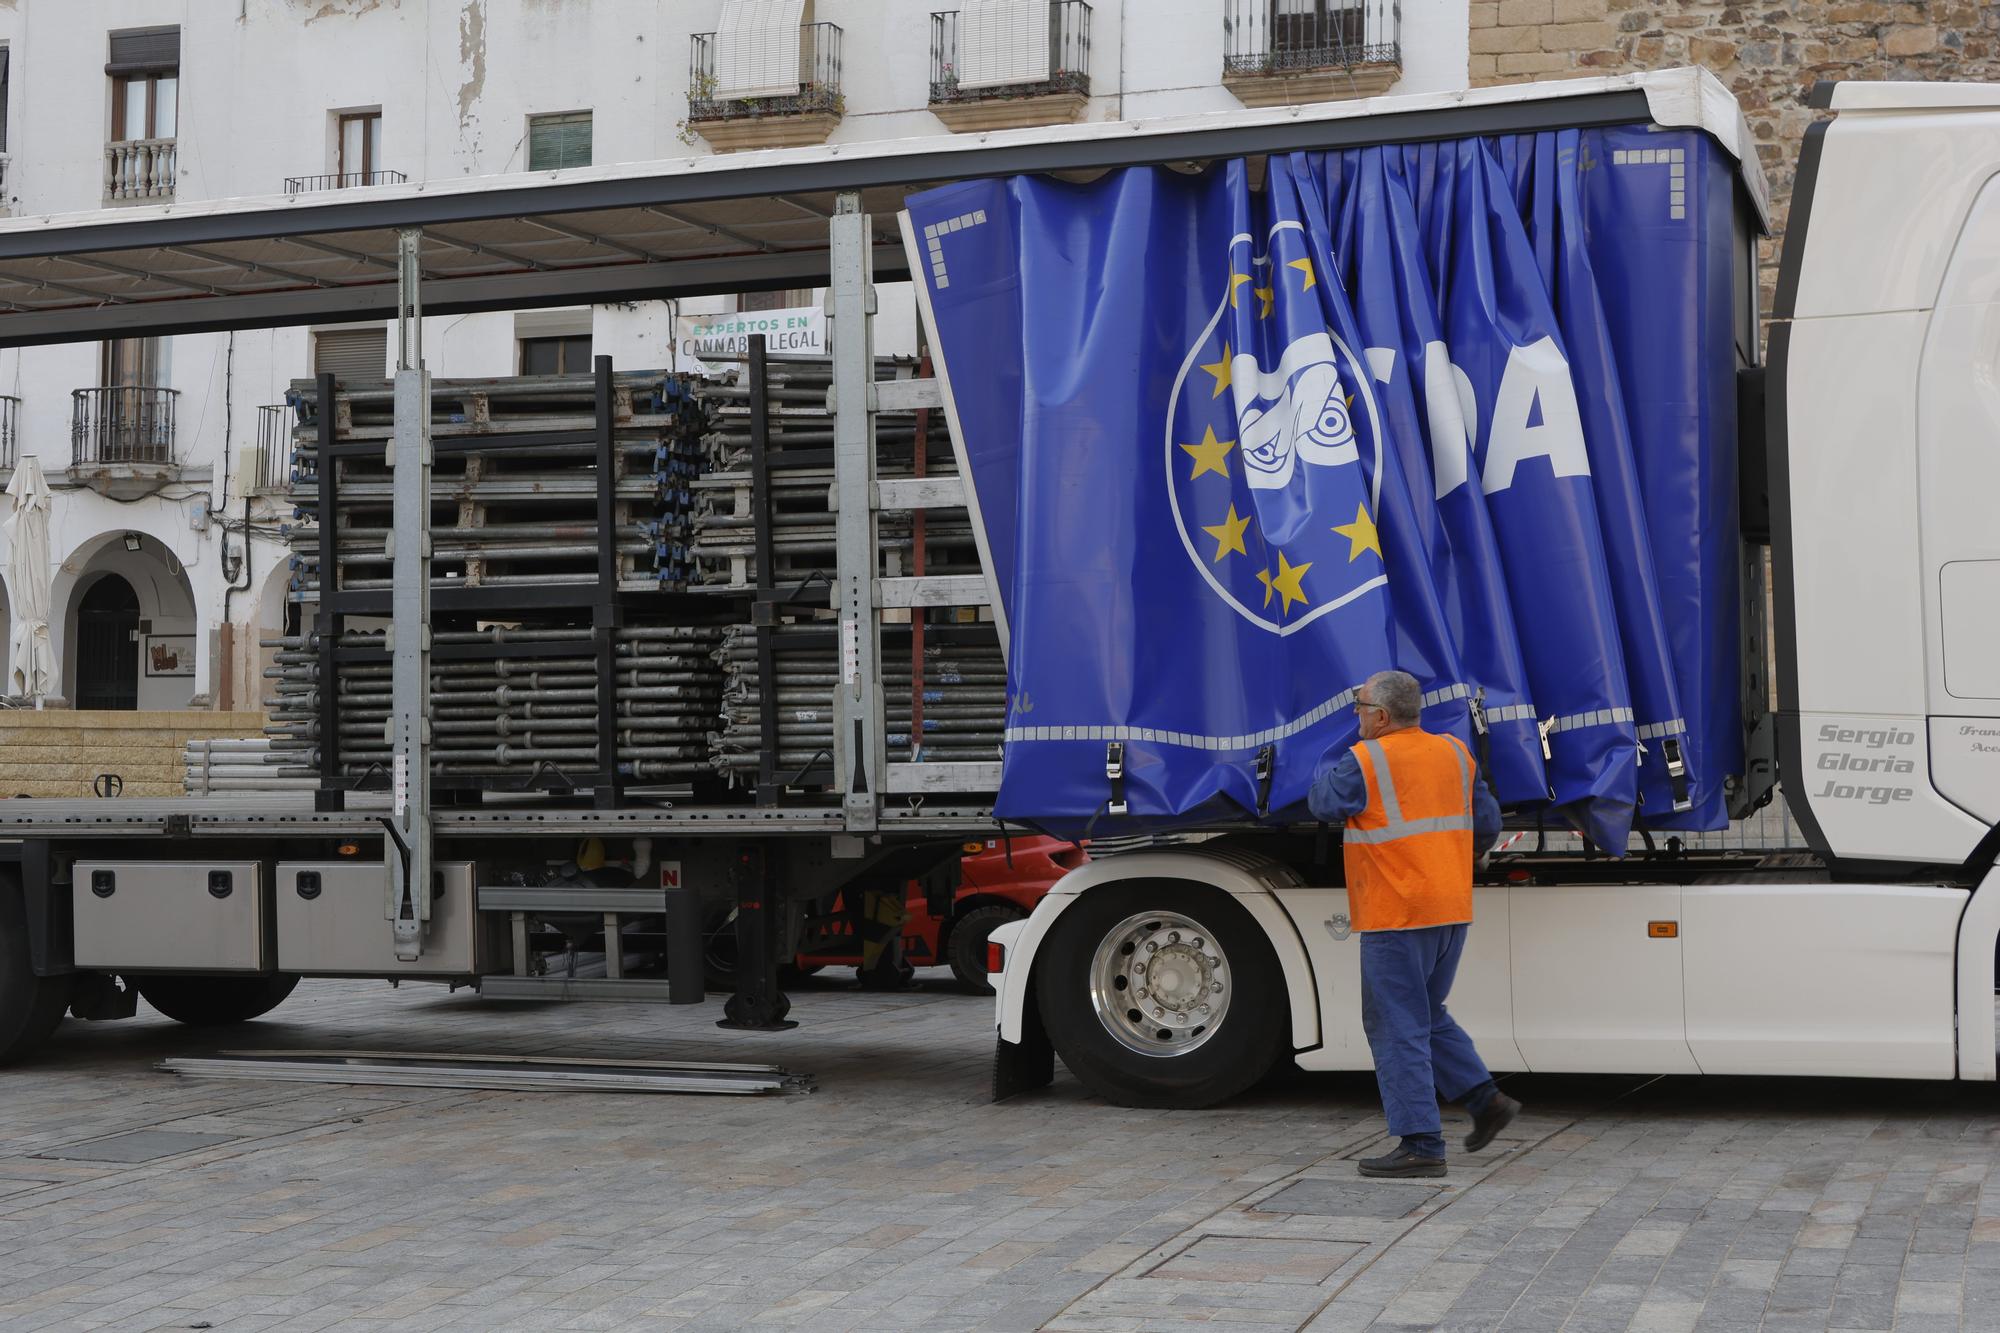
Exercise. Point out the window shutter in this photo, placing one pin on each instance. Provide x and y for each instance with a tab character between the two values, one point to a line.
353	355
757	48
555	142
144	51
1002	42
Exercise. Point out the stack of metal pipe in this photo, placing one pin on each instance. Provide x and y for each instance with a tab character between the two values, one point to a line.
800	441
508	516
962	696
527	714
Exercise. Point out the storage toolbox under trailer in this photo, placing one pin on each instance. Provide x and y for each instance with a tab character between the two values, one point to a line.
588	668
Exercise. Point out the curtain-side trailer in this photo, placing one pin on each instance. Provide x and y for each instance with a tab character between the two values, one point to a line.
1863	946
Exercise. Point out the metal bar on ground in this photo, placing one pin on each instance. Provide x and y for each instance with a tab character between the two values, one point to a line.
503	1075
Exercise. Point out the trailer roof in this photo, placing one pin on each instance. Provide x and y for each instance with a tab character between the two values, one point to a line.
687	226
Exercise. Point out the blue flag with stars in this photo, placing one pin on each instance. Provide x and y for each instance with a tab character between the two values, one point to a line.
1237	439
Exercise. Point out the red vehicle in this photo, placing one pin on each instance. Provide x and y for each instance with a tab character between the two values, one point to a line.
999	880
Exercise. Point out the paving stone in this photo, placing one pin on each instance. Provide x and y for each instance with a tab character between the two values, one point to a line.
1344	1198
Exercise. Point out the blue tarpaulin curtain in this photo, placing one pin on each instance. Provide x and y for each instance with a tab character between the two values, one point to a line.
1243	437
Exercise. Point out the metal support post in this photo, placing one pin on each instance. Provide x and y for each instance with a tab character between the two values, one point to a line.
326	624
758	1003
859	730
764	611
605	611
407	849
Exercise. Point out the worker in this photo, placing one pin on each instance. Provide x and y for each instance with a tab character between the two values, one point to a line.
1417	815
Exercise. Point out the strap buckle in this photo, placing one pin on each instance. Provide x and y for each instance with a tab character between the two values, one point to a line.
1267	763
1677	774
1114	771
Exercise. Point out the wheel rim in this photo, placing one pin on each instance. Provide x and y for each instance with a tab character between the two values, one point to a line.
1160	983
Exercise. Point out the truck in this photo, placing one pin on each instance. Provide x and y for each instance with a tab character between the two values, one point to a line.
1667	919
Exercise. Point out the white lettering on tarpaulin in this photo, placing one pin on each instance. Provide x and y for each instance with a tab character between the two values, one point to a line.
1295	413
1534	416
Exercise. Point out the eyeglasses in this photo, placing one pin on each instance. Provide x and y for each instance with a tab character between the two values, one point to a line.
1358	706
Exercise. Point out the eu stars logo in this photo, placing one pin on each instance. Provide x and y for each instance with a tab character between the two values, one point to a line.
1273	441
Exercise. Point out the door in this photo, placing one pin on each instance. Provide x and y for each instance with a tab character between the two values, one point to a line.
360	148
1597	979
107	647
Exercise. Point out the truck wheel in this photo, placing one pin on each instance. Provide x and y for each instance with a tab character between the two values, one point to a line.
206	1002
30	1006
1162	994
965	947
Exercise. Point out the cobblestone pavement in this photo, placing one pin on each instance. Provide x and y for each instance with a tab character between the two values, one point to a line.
897	1196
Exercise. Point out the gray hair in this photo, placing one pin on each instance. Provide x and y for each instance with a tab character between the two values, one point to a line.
1399	695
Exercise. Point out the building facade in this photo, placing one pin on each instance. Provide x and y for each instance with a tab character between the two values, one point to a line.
168	456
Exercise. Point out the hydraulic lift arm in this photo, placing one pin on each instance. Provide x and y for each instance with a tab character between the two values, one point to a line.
406	850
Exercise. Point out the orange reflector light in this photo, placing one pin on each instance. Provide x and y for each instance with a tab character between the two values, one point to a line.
1663	930
969	848
996	957
350	848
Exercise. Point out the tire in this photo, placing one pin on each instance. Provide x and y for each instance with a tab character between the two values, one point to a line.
206	1002
30	1006
1191	1059
965	947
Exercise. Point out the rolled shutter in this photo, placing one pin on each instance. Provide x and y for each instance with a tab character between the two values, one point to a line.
144	51
757	50
1002	42
353	355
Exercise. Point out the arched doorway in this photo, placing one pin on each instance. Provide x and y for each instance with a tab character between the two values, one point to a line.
107	627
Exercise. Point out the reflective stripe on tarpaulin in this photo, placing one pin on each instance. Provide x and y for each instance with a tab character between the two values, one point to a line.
1234	447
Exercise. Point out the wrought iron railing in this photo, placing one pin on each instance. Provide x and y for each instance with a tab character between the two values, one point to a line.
122	423
10	431
274	447
1296	36
819	79
1069	58
140	169
342	180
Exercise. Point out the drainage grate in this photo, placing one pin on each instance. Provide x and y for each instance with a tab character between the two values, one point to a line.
1344	1198
1258	1259
141	1145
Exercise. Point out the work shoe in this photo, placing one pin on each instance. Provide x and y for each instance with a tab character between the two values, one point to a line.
1499	1114
1402	1163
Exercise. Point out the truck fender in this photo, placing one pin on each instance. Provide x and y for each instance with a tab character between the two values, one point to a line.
1247	878
1978	927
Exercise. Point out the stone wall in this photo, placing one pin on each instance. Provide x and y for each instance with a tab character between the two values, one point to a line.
1769	54
60	752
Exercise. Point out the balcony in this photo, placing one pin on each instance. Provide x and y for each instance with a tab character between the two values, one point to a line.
784	112
342	180
1282	52
139	170
122	438
274	448
988	73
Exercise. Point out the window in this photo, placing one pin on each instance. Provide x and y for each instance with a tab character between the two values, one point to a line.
145	83
1315	32
131	363
352	356
555	142
360	151
556	356
783	299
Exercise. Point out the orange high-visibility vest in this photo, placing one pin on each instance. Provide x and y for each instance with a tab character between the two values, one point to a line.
1409	851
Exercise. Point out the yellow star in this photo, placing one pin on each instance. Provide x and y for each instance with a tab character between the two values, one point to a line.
1211	455
1288	581
1361	535
1268	297
1219	369
1236	280
1304	266
1228	536
1264	577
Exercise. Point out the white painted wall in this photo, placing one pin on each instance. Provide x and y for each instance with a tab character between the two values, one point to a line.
456	80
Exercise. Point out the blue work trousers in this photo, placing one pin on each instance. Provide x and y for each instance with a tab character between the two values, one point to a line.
1421	1053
